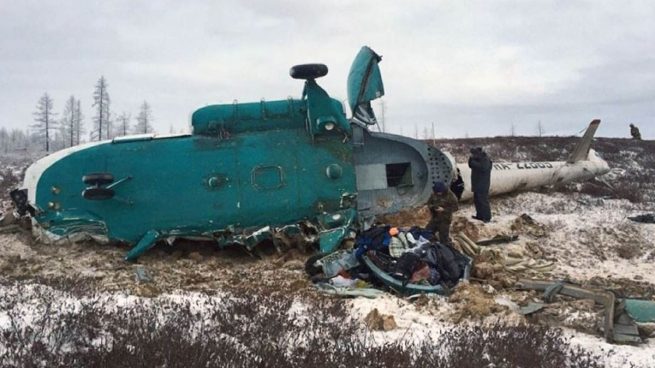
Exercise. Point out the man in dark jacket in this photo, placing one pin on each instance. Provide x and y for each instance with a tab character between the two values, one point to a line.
442	204
480	165
634	132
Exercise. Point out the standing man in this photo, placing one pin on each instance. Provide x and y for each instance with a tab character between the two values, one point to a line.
634	132
480	165
442	204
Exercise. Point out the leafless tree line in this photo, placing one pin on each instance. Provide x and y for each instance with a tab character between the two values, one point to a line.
53	132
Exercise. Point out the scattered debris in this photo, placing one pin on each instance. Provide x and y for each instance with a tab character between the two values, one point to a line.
349	291
618	326
640	310
467	245
498	239
339	261
532	307
142	275
8	229
622	287
647	218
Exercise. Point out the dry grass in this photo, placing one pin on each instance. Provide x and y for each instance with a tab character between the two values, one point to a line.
254	331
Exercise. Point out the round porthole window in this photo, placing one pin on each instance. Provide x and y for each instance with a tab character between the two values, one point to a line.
334	171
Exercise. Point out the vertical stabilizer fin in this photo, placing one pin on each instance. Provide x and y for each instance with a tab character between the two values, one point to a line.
582	150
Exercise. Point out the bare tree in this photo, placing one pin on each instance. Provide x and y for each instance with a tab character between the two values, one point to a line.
71	127
78	124
433	135
67	122
101	103
109	129
18	139
144	119
123	127
4	139
540	129
44	120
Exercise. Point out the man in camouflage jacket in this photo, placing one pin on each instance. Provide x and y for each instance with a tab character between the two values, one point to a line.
442	204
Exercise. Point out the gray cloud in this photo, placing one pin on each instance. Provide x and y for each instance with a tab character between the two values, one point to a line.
473	67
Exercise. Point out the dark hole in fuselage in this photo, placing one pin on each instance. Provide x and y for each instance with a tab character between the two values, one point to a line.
399	174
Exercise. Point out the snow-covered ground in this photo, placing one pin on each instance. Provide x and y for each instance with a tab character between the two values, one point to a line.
582	235
589	239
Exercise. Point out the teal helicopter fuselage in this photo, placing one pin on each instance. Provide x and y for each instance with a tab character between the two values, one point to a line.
245	166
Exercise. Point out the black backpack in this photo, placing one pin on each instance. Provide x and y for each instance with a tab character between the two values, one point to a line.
405	266
449	268
447	261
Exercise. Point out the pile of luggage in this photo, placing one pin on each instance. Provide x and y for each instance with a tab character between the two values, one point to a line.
407	260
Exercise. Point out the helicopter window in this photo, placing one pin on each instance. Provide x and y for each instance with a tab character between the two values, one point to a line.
267	177
399	175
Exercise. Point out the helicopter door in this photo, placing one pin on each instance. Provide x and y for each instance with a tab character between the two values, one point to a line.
364	85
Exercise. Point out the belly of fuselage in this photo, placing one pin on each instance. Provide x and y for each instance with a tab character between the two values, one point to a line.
196	185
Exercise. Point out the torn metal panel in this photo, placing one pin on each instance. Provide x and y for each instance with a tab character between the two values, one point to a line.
532	308
640	310
604	298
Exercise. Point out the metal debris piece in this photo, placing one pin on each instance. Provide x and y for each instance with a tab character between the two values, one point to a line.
498	239
9	229
605	298
551	291
625	328
647	218
640	310
468	246
626	339
532	307
349	291
142	275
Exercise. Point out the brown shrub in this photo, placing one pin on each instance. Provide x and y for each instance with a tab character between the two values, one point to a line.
256	331
628	251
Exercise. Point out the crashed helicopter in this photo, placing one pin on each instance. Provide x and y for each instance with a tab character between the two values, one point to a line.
249	168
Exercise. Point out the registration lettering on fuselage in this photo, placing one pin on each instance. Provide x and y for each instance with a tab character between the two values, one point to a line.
522	165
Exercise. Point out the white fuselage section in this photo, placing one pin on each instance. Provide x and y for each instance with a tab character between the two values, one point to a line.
508	177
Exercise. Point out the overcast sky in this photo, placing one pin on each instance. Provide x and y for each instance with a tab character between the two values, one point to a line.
471	67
